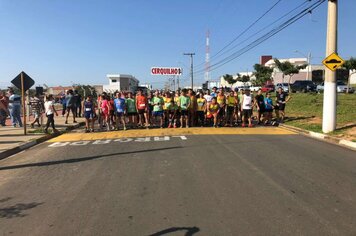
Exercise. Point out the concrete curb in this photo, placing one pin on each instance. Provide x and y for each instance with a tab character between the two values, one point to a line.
320	136
32	143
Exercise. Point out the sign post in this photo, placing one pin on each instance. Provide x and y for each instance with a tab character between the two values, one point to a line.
23	104
23	82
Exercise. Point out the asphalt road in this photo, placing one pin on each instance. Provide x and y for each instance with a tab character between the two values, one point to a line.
202	185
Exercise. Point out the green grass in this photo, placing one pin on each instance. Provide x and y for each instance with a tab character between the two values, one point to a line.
305	111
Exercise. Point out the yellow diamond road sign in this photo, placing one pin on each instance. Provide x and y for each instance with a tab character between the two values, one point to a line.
333	62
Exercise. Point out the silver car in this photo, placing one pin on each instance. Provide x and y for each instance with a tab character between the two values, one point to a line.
284	86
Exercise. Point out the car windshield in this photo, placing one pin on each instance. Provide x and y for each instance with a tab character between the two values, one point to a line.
340	83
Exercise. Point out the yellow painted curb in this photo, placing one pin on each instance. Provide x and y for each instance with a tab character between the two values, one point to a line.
72	137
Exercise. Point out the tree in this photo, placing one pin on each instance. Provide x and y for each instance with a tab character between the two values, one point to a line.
230	79
244	79
85	90
289	69
350	66
262	74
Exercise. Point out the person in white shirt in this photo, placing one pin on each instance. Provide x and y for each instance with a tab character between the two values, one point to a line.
50	111
246	108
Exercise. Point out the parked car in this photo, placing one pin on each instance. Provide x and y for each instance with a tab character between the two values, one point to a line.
341	87
320	88
255	88
243	87
284	86
303	86
268	88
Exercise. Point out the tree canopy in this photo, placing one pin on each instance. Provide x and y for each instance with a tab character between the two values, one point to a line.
262	74
229	79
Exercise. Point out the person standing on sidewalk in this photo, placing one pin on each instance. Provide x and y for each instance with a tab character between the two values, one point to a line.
4	111
15	108
64	103
37	109
70	104
50	111
78	103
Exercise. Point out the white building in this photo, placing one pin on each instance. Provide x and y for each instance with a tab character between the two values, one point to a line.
121	82
223	82
304	74
353	77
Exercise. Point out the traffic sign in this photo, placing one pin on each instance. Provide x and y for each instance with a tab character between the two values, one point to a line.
28	82
333	61
166	71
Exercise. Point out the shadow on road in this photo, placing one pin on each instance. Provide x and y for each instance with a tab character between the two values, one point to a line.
17	210
75	160
190	231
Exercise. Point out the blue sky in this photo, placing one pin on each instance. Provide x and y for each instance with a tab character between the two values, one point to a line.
58	42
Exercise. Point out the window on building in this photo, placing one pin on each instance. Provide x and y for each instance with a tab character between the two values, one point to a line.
114	80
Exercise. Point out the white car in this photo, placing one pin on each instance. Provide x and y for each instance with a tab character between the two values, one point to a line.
255	88
341	87
284	86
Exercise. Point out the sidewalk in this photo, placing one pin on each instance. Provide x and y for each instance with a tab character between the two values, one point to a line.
13	140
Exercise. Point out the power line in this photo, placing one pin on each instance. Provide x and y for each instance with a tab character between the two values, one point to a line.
243	32
264	37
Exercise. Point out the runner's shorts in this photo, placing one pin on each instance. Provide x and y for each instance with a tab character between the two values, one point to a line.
89	115
281	106
230	110
247	113
141	111
184	112
158	113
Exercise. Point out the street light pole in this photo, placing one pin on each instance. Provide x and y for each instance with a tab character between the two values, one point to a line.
309	67
191	67
330	95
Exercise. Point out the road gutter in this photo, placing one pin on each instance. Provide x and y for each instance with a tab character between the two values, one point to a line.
323	137
29	144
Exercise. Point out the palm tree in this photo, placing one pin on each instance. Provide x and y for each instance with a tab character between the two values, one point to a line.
289	69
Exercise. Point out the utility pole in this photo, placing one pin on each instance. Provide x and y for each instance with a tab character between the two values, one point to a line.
330	95
191	67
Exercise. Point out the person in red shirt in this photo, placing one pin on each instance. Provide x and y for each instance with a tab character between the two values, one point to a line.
142	108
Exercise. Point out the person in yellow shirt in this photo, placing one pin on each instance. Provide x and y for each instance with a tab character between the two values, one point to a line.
166	106
213	111
201	108
192	108
231	104
221	100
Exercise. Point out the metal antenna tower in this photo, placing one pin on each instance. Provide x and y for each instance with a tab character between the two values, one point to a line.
207	57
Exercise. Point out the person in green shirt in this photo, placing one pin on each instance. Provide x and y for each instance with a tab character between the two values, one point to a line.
184	104
173	107
158	103
131	110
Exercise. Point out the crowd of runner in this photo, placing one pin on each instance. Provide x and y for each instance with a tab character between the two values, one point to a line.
184	108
